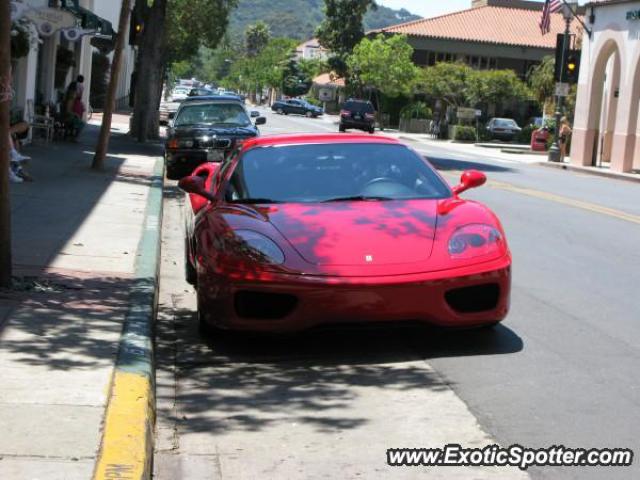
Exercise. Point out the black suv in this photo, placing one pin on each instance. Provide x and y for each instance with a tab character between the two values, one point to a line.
204	130
358	114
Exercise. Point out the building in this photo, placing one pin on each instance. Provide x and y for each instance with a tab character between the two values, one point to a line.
311	50
606	124
63	36
492	34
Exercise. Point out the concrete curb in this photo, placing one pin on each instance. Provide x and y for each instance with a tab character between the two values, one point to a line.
126	450
599	173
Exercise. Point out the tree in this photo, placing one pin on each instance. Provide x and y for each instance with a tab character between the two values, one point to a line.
385	64
542	82
256	38
110	102
174	31
495	87
446	81
5	103
342	30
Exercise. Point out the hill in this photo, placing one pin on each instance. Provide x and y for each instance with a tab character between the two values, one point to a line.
300	18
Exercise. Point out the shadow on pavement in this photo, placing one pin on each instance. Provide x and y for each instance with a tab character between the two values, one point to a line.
447	164
235	382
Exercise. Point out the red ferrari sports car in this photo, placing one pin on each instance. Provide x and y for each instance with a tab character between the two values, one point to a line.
296	231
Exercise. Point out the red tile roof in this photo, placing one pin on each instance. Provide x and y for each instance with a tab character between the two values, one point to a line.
329	80
488	24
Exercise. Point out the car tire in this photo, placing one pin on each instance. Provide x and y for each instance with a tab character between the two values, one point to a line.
190	273
372	130
309	114
342	129
175	173
280	111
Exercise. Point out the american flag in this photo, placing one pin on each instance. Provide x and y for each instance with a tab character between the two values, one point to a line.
550	6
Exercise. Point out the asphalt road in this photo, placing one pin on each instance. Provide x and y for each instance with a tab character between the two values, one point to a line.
561	370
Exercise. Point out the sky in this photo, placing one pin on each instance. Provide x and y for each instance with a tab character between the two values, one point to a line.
430	8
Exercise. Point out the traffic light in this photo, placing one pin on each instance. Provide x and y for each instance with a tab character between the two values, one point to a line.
136	28
572	66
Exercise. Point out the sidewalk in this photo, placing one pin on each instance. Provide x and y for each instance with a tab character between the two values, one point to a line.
76	236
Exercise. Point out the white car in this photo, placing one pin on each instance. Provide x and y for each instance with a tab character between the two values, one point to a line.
180	93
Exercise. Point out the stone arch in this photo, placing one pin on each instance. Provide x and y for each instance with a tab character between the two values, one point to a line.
606	76
634	119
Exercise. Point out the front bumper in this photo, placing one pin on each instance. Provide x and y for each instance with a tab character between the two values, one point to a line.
293	303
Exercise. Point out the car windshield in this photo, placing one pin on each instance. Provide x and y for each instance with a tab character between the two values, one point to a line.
228	114
505	122
333	172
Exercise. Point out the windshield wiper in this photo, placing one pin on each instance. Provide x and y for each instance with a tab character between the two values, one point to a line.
255	200
357	198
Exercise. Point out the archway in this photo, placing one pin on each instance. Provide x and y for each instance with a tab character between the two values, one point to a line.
605	85
634	123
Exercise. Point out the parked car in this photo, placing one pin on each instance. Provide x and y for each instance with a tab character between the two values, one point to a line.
179	93
167	111
503	129
205	129
201	92
322	231
358	114
297	107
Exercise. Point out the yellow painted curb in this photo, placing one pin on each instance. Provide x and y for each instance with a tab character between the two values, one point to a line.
127	441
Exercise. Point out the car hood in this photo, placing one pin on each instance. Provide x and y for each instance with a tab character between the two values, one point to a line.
358	233
192	132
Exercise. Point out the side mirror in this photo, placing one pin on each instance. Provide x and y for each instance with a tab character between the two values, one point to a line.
255	114
261	121
470	179
196	185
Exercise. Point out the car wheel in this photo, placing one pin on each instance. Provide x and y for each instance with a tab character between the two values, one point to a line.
190	273
175	173
372	130
309	114
280	111
342	129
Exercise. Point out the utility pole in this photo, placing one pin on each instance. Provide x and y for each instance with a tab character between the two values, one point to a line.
110	102
5	104
554	151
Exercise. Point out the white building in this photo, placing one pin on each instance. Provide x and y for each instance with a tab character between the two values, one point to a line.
38	79
607	124
311	50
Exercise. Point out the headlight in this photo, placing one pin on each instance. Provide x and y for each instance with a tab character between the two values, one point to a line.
475	240
263	245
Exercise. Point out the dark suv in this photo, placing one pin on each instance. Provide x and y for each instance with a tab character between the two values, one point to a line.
204	130
358	114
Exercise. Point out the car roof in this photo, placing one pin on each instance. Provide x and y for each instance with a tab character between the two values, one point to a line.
316	138
214	98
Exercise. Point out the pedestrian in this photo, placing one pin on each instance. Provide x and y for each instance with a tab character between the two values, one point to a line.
17	173
73	111
565	134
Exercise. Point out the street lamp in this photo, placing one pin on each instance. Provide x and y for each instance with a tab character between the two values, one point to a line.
554	151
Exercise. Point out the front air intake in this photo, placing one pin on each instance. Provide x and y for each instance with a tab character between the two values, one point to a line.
479	298
266	306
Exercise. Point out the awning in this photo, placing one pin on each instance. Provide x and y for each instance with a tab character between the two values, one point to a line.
88	19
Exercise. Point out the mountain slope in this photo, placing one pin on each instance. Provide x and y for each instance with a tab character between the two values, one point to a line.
300	18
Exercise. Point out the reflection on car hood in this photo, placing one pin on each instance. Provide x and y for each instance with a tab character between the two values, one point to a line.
357	233
185	132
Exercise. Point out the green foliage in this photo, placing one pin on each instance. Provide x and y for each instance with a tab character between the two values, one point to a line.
256	38
20	39
416	110
495	86
461	86
446	81
299	19
463	133
267	69
314	67
342	29
295	81
526	132
384	63
194	23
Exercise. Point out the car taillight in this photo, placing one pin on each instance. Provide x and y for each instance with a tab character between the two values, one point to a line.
345	113
173	143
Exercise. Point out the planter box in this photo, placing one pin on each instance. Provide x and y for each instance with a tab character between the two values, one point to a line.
414	125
